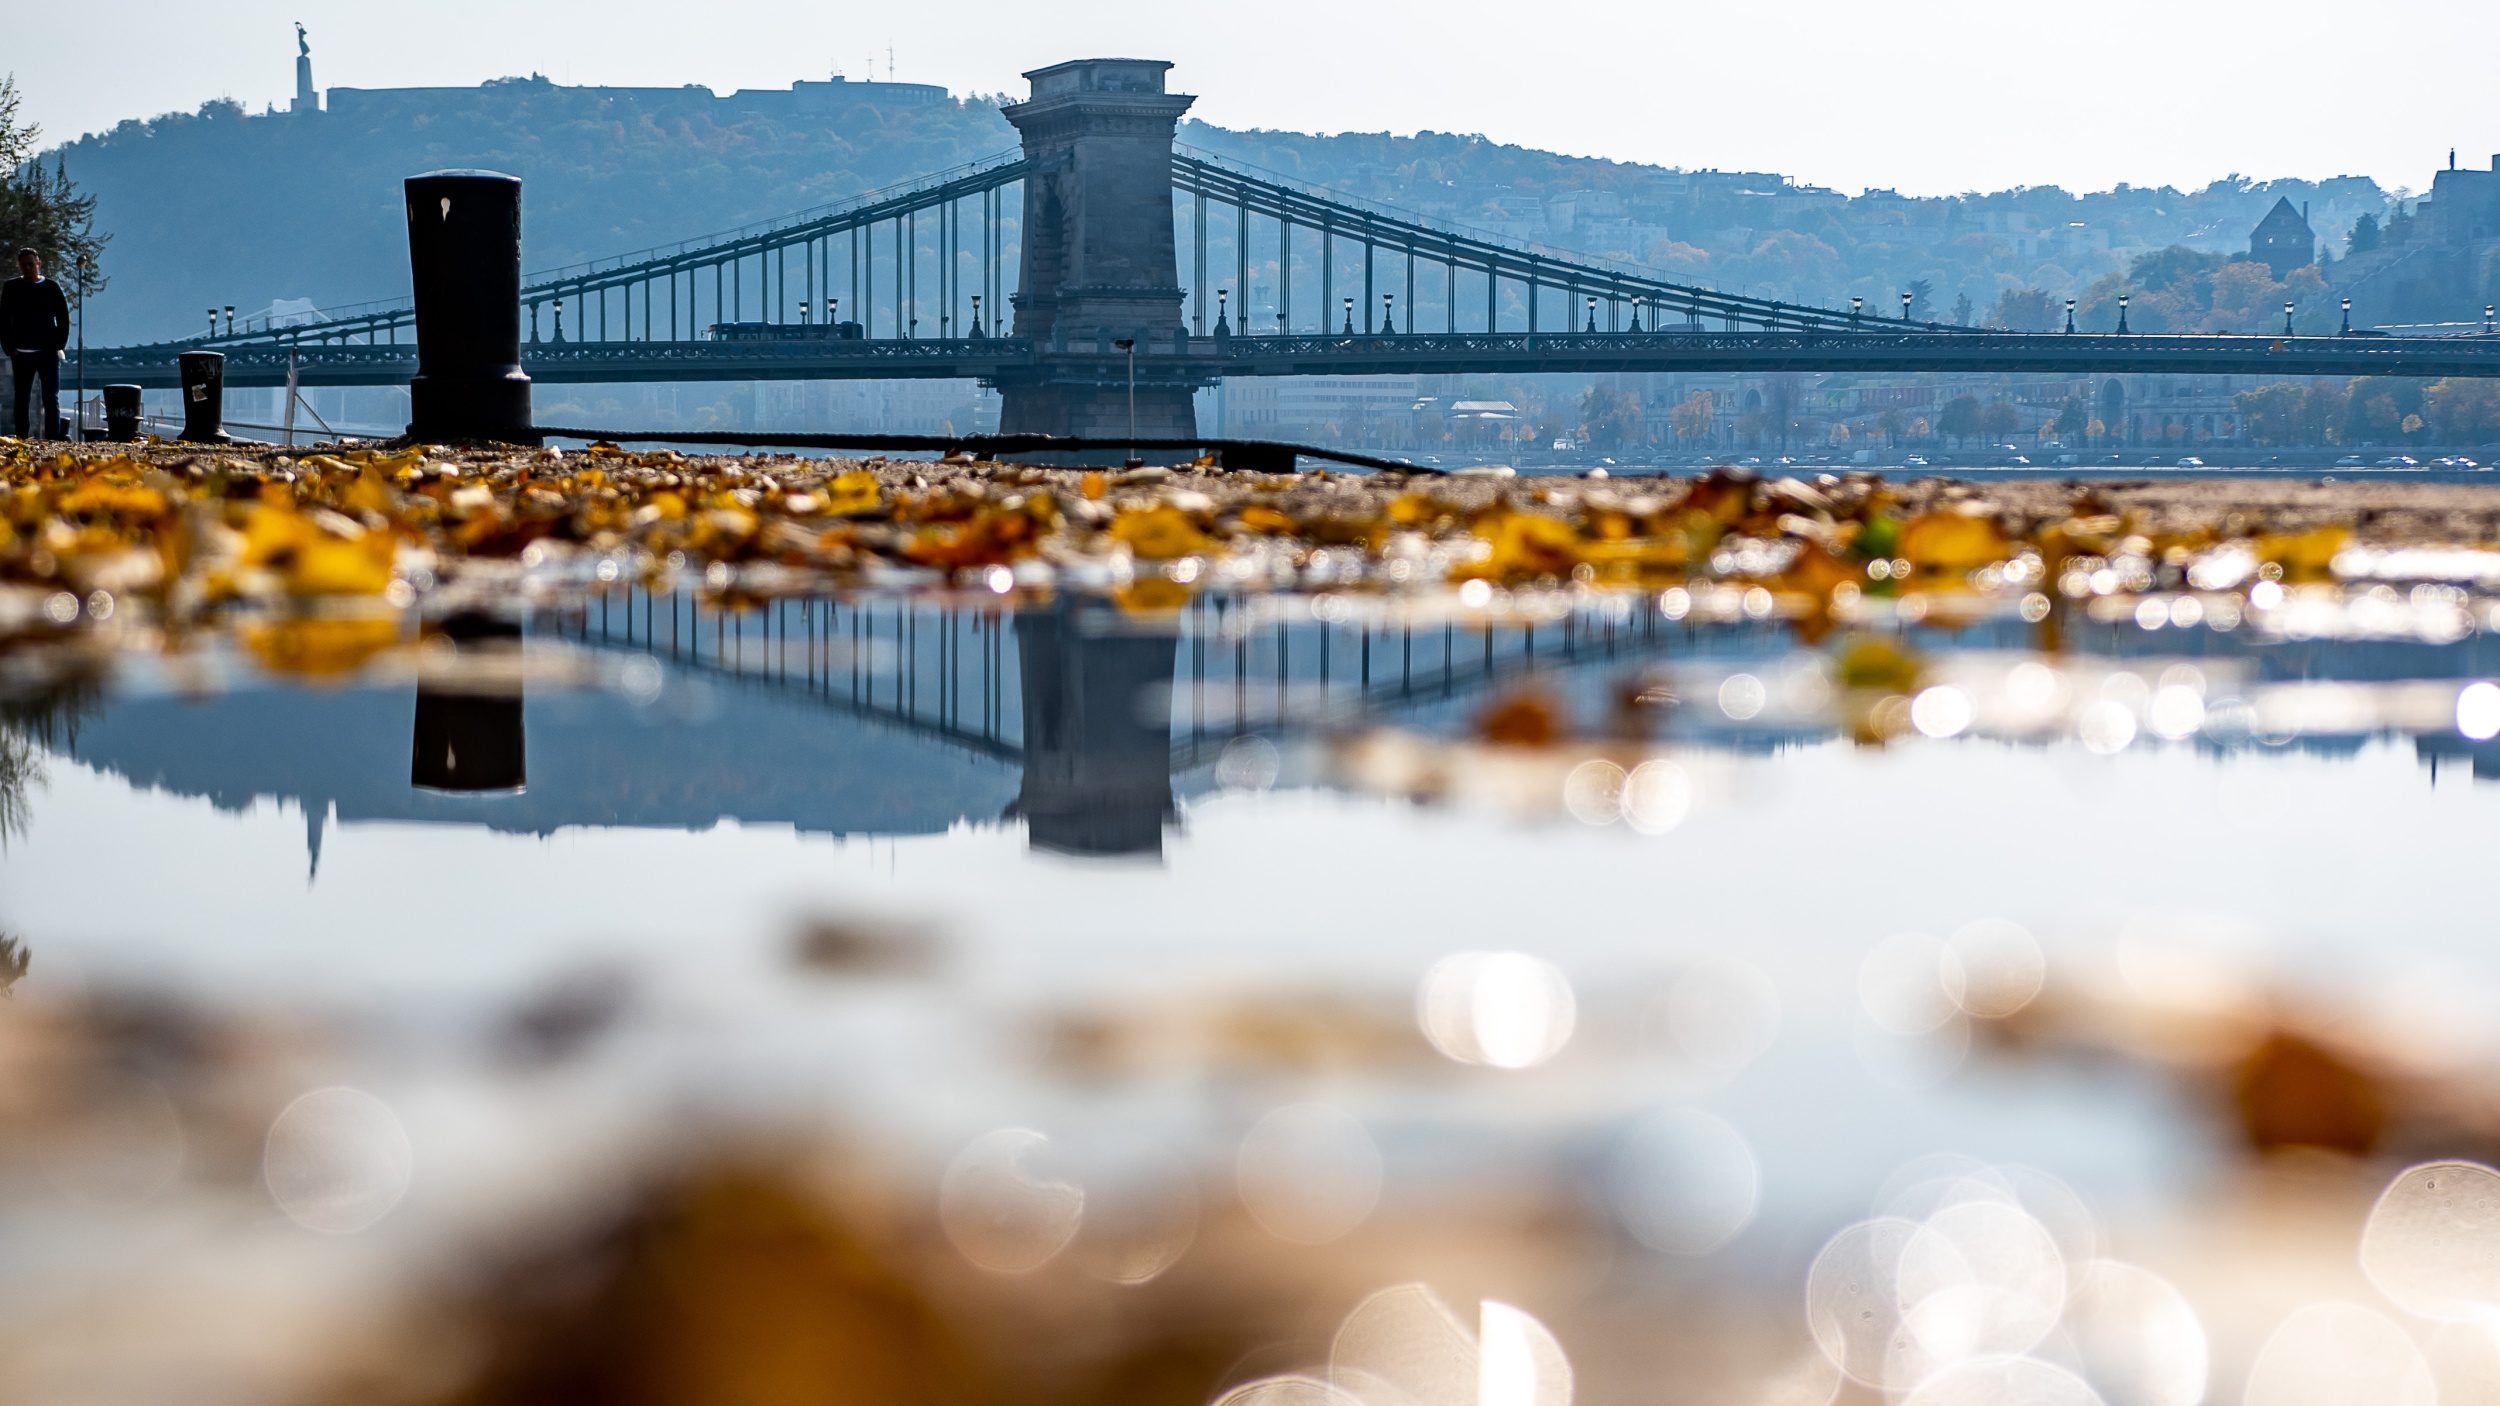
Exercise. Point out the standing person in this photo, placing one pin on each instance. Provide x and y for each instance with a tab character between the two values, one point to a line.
34	327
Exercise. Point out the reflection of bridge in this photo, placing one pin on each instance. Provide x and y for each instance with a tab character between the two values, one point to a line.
1072	233
880	717
896	717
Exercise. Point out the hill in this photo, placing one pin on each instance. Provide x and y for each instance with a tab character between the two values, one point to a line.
221	207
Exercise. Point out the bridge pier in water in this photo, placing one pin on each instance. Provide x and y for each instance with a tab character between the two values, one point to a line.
1099	262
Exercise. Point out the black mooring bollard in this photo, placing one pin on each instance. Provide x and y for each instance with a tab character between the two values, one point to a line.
203	397
121	413
464	253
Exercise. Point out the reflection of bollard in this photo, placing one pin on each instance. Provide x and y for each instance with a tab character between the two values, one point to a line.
469	738
121	413
464	255
203	397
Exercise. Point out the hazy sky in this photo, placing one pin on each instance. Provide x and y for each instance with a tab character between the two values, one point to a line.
1928	96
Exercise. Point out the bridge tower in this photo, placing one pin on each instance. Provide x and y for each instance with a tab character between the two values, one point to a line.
1099	262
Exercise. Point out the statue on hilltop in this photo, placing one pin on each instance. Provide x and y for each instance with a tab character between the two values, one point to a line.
303	46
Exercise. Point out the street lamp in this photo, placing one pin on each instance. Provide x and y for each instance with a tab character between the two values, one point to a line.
2122	314
229	319
1349	317
833	313
1856	306
1388	314
2347	318
1129	345
1592	314
2487	311
978	331
2287	317
2070	317
1905	305
1637	304
212	324
1223	302
1280	322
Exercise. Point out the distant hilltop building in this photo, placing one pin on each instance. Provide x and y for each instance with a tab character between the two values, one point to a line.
803	99
2283	240
2438	263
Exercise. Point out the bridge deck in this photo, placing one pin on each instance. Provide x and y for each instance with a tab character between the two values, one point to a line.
1206	359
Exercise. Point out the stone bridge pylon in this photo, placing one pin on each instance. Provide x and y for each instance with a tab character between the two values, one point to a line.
1099	265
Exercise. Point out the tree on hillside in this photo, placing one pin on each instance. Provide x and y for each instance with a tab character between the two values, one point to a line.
1692	417
1960	419
1963	310
2364	236
2026	310
1782	395
2073	419
1999	419
1610	418
2463	411
42	210
1920	290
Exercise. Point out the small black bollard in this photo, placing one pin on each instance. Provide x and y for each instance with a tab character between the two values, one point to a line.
469	738
121	413
203	397
464	254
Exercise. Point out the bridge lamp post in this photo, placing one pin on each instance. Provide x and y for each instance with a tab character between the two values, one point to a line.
1223	305
2122	314
833	312
1388	314
1856	307
1129	345
2287	317
212	323
2488	309
2070	317
1280	322
977	330
2347	318
1637	303
1592	314
1349	317
229	319
803	318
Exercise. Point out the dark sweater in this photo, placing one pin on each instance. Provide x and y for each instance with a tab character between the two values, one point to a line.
33	316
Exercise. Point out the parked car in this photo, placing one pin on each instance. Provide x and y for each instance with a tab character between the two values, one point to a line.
2191	462
2400	461
1914	461
2349	461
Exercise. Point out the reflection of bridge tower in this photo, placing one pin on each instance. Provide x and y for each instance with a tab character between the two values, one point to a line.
1097	735
1099	263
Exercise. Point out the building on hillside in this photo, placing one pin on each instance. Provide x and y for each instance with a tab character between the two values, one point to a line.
2283	240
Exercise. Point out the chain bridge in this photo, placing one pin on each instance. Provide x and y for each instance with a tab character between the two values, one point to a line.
1103	274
